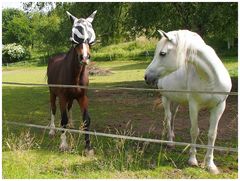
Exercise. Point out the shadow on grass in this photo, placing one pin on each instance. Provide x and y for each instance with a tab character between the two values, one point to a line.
127	84
234	84
136	66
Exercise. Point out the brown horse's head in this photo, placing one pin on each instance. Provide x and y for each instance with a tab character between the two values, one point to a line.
83	36
83	51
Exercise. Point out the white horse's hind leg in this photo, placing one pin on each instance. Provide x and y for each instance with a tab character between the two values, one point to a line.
52	125
215	115
193	113
168	118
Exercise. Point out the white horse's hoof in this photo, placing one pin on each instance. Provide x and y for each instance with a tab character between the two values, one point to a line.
51	133
193	162
213	170
89	153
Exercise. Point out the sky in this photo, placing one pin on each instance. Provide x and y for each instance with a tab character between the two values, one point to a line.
11	4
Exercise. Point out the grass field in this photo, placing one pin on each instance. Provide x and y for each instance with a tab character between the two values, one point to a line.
30	153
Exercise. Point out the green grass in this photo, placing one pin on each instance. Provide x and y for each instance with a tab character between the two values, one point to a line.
123	71
137	50
34	155
30	153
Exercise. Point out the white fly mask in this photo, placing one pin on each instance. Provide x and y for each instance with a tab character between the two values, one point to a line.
82	30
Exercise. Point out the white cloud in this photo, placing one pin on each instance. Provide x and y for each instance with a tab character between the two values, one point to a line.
11	4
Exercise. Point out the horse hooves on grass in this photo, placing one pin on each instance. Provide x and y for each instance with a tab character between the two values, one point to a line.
193	162
171	146
51	133
213	170
89	152
63	148
70	125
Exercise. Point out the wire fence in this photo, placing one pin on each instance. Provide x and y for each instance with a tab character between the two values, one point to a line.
121	136
125	137
120	88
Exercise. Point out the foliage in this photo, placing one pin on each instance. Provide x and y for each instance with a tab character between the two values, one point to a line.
208	19
45	26
13	53
16	28
141	49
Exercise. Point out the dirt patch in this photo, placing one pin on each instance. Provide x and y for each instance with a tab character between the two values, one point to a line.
94	70
130	110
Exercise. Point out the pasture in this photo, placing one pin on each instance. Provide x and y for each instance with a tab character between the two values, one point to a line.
31	153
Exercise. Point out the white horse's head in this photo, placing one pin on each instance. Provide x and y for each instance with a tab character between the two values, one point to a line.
173	50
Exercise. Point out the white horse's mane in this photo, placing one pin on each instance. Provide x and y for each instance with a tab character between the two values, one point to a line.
187	45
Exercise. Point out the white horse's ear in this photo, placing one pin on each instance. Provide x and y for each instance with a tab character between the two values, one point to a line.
72	18
164	34
91	17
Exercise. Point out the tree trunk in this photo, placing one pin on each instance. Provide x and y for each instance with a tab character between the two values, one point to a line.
228	43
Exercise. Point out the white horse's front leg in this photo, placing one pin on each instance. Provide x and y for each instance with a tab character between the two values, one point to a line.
167	118
215	116
52	125
193	113
174	111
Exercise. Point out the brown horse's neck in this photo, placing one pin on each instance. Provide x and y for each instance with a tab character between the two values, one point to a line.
77	70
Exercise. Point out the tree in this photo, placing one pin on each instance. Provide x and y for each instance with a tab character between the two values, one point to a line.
47	26
7	16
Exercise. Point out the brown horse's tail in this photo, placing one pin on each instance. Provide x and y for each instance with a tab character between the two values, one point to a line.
47	72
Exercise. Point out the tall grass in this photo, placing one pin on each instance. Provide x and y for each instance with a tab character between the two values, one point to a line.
141	49
32	154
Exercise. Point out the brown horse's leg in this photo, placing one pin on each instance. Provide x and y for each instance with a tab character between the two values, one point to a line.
70	121
64	122
53	113
83	102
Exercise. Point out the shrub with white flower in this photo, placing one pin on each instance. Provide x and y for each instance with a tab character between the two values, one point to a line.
13	53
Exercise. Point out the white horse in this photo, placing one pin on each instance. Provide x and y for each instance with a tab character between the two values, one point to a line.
183	61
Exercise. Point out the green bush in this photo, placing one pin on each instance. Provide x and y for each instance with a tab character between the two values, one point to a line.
14	53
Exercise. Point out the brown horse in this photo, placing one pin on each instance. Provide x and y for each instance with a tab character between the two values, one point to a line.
71	69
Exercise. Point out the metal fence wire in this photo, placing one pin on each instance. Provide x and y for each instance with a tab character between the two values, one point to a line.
118	88
116	135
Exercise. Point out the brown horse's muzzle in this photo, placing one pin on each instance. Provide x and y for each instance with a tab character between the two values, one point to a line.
83	53
86	60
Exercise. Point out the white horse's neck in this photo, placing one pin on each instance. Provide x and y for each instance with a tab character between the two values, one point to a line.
205	71
210	69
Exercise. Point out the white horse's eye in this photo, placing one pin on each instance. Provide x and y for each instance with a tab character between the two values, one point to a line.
162	54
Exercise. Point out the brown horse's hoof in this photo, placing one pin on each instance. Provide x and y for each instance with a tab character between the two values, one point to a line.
70	125
51	133
89	152
171	146
63	149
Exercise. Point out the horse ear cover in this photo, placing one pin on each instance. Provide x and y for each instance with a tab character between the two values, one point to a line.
72	18
91	17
